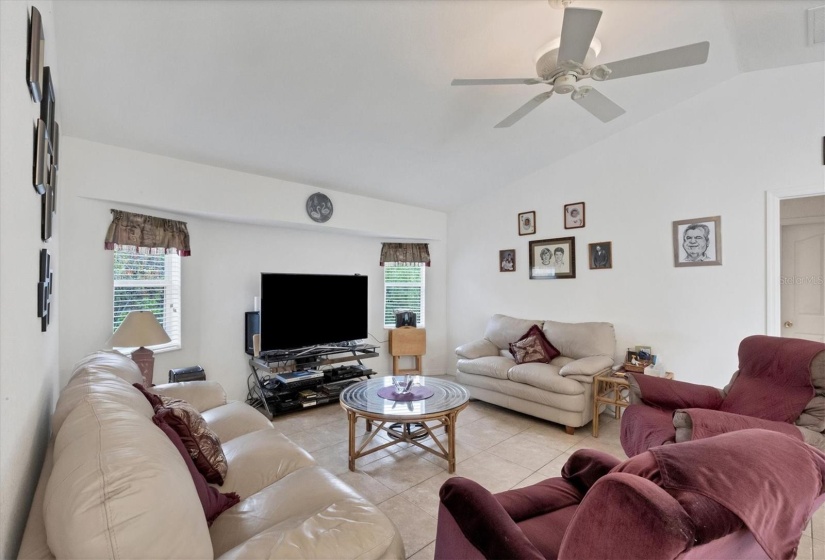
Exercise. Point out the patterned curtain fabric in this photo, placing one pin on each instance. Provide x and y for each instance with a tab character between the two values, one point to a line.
405	253
147	234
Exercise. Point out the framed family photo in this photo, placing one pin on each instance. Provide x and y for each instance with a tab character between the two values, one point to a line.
600	254
697	242
574	215
553	258
507	260
527	223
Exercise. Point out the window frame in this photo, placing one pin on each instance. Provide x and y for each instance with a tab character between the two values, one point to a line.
172	296
420	317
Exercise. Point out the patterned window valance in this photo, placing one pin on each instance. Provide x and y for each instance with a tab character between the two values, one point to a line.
405	253
147	234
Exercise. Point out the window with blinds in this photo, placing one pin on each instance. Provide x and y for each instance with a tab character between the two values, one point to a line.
403	289
148	283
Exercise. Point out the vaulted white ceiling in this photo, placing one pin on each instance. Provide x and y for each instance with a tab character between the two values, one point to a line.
355	95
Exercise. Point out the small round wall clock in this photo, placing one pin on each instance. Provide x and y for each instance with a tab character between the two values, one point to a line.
319	207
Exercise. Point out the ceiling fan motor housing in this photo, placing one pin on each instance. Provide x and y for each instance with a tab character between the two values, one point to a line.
565	84
547	65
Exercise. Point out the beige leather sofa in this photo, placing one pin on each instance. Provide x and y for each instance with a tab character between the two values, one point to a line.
561	391
114	486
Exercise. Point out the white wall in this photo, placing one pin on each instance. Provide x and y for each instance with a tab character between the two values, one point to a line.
240	225
28	357
715	154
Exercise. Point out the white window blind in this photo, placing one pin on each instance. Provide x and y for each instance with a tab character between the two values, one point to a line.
403	289
148	283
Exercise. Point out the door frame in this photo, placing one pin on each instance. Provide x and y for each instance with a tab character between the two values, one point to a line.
773	247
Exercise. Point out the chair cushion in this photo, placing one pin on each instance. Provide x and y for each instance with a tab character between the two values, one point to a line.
644	427
533	346
235	419
201	442
774	381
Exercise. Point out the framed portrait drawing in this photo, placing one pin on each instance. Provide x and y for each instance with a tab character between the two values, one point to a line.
553	258
507	260
527	223
697	242
574	215
600	255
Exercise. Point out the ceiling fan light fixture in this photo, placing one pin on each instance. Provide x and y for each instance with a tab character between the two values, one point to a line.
600	73
581	92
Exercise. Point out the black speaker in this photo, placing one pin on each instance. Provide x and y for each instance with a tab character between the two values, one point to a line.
404	318
252	327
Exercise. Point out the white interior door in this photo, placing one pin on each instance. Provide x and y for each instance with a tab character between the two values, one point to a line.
803	281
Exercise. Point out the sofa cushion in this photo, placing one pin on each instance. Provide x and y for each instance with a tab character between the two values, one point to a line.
259	459
235	419
502	330
310	513
579	340
213	502
109	498
533	346
201	442
544	376
590	365
490	366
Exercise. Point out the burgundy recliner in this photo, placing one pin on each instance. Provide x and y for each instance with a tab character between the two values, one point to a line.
779	386
721	497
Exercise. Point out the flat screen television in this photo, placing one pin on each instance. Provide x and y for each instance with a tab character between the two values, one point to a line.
303	310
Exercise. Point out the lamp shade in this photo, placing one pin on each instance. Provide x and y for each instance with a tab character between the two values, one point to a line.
139	328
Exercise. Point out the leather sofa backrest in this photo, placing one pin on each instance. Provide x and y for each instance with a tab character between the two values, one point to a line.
580	340
116	489
502	330
106	373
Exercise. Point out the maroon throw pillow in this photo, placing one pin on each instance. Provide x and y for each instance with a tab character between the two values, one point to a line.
533	346
203	444
213	502
153	399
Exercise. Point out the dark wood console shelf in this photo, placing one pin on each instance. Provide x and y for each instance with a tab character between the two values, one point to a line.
274	397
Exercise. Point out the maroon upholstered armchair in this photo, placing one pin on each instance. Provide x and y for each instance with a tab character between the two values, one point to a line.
721	497
780	386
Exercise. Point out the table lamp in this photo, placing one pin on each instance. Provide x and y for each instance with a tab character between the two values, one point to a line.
140	328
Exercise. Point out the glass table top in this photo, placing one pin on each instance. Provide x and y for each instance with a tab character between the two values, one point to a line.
363	397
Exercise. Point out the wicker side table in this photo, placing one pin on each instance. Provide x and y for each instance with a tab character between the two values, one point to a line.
610	388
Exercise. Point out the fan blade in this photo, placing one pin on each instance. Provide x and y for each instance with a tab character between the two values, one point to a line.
598	105
495	82
577	31
524	109
689	55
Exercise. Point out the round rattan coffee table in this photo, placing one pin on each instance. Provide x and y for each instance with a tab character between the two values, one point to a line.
418	418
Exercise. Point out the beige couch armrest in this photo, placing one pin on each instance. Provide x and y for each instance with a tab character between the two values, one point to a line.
202	395
590	365
477	349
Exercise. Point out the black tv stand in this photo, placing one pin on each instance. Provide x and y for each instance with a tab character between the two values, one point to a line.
290	380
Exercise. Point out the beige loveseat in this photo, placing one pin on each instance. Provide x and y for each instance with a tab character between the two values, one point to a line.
560	391
114	485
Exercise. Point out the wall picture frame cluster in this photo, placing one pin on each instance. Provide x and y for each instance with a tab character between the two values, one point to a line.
697	242
552	259
527	223
46	155
507	260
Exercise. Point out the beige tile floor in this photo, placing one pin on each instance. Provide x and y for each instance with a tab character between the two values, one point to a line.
496	447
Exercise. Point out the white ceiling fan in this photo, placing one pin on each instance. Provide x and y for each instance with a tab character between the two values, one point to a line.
569	60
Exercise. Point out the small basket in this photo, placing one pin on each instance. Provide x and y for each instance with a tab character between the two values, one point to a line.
640	368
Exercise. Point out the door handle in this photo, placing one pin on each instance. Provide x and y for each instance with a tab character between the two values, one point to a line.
788	324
